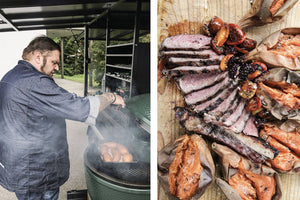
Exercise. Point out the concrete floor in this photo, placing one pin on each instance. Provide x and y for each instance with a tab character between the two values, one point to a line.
77	140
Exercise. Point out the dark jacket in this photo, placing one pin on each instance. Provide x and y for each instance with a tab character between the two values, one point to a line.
33	143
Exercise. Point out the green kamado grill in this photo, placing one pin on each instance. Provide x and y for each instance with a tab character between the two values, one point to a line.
129	126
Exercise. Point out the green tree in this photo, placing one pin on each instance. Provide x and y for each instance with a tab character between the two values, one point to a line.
73	55
97	55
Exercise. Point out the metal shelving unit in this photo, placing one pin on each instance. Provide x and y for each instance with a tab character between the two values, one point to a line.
127	65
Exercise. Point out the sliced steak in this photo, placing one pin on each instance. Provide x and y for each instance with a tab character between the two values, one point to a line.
204	94
174	61
183	70
215	114
193	82
240	124
236	114
207	53
186	42
215	101
253	148
229	111
250	128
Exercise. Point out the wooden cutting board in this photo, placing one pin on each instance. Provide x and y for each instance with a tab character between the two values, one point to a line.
188	14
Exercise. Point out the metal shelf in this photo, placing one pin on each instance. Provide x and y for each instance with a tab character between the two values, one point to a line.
118	66
123	79
120	45
120	55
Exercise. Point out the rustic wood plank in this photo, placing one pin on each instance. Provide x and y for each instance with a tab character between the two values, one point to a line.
190	13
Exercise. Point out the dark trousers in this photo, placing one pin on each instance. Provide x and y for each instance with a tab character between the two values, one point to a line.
47	195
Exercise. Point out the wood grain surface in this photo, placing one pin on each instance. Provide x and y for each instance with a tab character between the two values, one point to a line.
185	16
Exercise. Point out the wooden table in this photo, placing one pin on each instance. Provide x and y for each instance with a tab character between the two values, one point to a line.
168	94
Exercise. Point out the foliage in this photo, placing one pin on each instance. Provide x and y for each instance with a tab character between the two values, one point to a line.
97	55
74	57
145	39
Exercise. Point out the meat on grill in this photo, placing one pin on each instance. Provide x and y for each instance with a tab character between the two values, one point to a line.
251	147
186	42
193	82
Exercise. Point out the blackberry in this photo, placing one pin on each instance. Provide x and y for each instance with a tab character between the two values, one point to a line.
259	122
233	70
245	70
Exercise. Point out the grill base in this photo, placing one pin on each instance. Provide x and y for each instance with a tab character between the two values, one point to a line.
134	175
99	188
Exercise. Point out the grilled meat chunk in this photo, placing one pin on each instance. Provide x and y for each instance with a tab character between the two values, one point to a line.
251	147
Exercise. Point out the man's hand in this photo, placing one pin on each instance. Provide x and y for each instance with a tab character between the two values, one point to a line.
119	101
110	98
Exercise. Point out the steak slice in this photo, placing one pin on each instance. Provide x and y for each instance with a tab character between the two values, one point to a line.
207	53
193	82
215	101
204	94
183	70
236	114
186	42
229	111
240	124
253	148
215	114
250	128
174	61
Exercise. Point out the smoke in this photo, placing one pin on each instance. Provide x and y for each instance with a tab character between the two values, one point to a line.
118	125
77	142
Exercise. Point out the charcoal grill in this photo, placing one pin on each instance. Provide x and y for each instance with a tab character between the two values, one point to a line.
130	127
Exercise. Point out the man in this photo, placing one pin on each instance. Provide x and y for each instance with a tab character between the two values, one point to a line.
34	160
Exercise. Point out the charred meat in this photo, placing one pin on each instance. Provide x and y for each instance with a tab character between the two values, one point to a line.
251	147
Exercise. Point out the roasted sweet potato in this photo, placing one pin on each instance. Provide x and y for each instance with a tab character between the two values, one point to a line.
283	137
280	49
185	167
243	179
276	95
266	11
